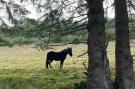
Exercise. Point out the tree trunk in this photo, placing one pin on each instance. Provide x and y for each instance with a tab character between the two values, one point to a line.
98	67
124	60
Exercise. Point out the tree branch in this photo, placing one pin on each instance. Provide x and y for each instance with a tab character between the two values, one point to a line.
82	54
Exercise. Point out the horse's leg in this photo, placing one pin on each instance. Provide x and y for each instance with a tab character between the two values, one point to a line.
50	63
61	64
47	62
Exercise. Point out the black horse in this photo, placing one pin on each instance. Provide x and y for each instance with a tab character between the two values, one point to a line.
57	56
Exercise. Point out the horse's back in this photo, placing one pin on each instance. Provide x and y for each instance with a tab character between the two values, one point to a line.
54	56
51	53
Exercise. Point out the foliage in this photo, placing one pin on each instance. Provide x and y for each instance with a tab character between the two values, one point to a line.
14	13
28	34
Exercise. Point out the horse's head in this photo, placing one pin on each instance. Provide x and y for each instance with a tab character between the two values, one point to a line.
69	50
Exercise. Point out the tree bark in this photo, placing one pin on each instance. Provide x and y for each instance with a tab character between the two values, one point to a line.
98	65
124	61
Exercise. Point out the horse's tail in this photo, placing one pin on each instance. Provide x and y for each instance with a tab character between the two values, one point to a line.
47	62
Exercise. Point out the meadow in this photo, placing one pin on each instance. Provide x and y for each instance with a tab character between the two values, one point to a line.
23	67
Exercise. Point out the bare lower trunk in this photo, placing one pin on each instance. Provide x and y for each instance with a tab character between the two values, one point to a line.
98	67
124	61
107	73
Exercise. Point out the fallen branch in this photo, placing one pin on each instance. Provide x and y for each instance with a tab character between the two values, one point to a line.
86	73
82	54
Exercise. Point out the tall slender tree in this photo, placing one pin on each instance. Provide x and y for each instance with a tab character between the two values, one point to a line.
98	74
124	60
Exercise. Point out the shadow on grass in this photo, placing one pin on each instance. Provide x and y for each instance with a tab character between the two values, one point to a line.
81	85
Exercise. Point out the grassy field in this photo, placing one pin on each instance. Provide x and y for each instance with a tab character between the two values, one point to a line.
22	67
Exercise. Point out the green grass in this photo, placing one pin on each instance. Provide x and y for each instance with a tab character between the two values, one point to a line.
22	67
43	79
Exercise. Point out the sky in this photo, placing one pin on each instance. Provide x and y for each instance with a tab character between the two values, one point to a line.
35	15
110	10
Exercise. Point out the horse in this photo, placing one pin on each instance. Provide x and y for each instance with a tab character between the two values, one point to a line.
57	56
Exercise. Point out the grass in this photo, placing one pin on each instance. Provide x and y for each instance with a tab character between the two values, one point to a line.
22	67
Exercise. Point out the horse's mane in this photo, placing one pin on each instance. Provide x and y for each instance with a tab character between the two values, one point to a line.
64	50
